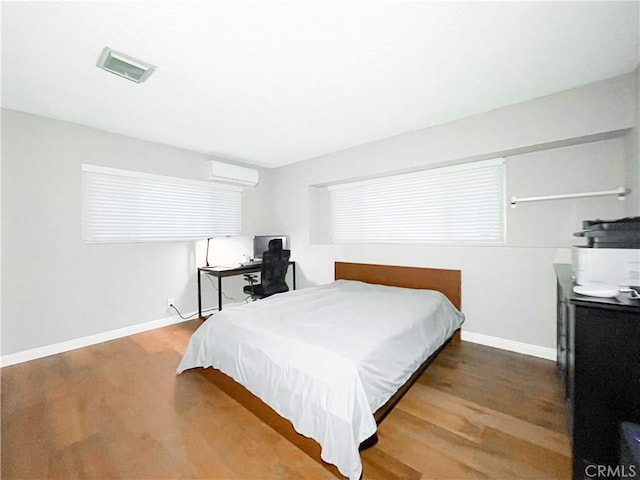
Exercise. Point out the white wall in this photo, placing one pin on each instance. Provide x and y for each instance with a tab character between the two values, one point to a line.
586	167
507	292
632	172
57	289
54	287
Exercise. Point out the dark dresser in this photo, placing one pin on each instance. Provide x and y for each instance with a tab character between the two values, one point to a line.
599	361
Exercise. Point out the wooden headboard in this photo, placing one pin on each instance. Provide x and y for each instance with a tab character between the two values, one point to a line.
445	281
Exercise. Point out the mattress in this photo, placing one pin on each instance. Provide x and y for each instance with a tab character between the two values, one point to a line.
326	358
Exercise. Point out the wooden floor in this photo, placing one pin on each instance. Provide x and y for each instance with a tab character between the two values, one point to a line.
118	410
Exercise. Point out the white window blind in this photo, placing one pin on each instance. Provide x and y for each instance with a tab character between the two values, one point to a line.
125	206
461	204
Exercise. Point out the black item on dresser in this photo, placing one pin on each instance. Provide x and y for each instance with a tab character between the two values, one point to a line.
621	233
600	365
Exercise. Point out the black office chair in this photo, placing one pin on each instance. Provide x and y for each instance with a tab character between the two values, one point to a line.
275	262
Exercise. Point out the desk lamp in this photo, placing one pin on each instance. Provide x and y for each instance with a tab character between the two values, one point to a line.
206	259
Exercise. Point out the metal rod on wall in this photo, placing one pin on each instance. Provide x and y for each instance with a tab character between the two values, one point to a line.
620	191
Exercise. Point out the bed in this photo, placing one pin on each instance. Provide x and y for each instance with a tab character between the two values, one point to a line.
324	365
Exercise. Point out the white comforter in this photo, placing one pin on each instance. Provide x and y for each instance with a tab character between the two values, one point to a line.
327	357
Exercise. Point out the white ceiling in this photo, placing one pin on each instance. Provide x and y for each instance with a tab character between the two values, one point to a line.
270	83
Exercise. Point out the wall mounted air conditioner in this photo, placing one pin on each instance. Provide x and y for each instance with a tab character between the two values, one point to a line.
228	173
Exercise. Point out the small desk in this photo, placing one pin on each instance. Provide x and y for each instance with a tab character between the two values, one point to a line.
221	272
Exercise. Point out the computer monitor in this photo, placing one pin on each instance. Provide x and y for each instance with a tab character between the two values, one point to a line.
261	244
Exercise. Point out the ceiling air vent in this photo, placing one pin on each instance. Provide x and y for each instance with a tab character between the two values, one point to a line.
124	65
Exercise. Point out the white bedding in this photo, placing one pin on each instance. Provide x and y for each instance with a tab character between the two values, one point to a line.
327	357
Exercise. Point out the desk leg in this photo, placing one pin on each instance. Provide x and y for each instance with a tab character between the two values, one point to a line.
219	293
199	296
294	276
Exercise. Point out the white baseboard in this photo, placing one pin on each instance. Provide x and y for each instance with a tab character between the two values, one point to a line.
511	345
40	352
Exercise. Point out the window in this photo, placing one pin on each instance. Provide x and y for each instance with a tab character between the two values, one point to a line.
461	204
125	206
